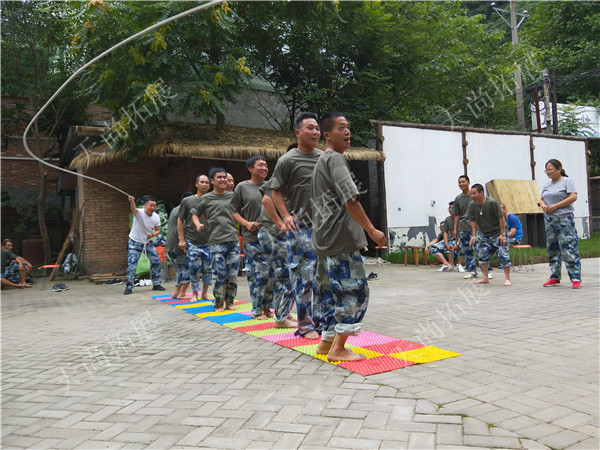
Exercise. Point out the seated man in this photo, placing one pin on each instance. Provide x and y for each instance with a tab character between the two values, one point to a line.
14	268
444	242
513	227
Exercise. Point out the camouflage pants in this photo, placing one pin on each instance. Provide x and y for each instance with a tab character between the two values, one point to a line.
302	264
11	272
134	252
487	246
226	264
440	247
182	269
199	260
278	275
258	277
466	251
343	293
562	244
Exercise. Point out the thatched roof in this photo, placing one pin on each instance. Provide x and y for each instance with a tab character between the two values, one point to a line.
186	140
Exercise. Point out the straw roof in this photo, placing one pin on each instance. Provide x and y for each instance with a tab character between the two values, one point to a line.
186	140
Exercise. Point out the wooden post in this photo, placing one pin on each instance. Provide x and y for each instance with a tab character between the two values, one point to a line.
63	250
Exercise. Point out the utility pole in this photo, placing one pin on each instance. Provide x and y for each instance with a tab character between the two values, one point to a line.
514	26
546	81
554	105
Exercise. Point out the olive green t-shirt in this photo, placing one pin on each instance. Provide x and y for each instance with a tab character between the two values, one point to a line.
487	216
334	232
221	225
292	177
172	242
7	257
247	202
448	226
461	209
264	221
189	229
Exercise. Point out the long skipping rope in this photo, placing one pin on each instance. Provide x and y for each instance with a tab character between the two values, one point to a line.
92	61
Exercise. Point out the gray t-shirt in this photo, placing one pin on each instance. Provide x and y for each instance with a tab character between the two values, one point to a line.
247	201
487	216
334	232
221	225
172	242
448	227
264	221
292	177
461	208
189	229
555	192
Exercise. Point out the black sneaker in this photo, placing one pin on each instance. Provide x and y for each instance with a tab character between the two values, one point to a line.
127	291
63	287
114	281
158	287
136	282
372	276
56	288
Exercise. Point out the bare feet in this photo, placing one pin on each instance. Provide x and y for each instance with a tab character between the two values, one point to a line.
28	285
230	307
292	318
175	294
268	313
220	309
311	335
194	298
324	347
345	355
286	323
260	317
204	298
482	281
507	283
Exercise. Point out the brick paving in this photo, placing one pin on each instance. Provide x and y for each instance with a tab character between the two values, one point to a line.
90	368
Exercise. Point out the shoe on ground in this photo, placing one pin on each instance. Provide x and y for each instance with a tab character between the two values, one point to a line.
551	282
136	282
490	276
461	269
63	287
445	268
372	276
158	287
56	288
576	284
471	275
127	291
114	281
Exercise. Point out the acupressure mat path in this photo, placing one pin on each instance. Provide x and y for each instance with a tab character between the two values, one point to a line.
383	353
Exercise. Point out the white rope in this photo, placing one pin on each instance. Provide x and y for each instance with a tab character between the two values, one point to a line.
81	69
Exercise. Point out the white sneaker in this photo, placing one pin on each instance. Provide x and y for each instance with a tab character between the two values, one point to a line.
461	269
444	268
490	276
472	275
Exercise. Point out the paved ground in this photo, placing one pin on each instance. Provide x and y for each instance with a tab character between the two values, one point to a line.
90	368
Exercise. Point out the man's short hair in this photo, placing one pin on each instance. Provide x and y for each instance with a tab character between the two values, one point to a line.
252	160
328	121
185	195
198	178
303	116
451	203
215	170
6	241
465	177
147	198
478	187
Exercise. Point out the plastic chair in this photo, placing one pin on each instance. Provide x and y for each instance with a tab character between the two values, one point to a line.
523	249
44	273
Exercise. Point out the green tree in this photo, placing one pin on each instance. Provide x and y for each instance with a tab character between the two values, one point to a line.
190	66
36	59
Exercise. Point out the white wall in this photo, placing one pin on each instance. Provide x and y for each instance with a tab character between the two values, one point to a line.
423	165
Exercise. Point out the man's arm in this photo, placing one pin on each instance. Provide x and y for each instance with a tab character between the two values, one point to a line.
456	219
502	238
181	234
288	220
132	206
24	263
356	211
474	232
155	233
271	211
250	226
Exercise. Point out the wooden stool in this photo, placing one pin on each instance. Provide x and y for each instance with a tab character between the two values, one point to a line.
523	249
44	269
415	254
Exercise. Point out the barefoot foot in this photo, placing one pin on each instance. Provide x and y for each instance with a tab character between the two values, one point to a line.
324	347
268	313
260	317
482	281
230	308
292	318
345	355
507	283
311	335
285	324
